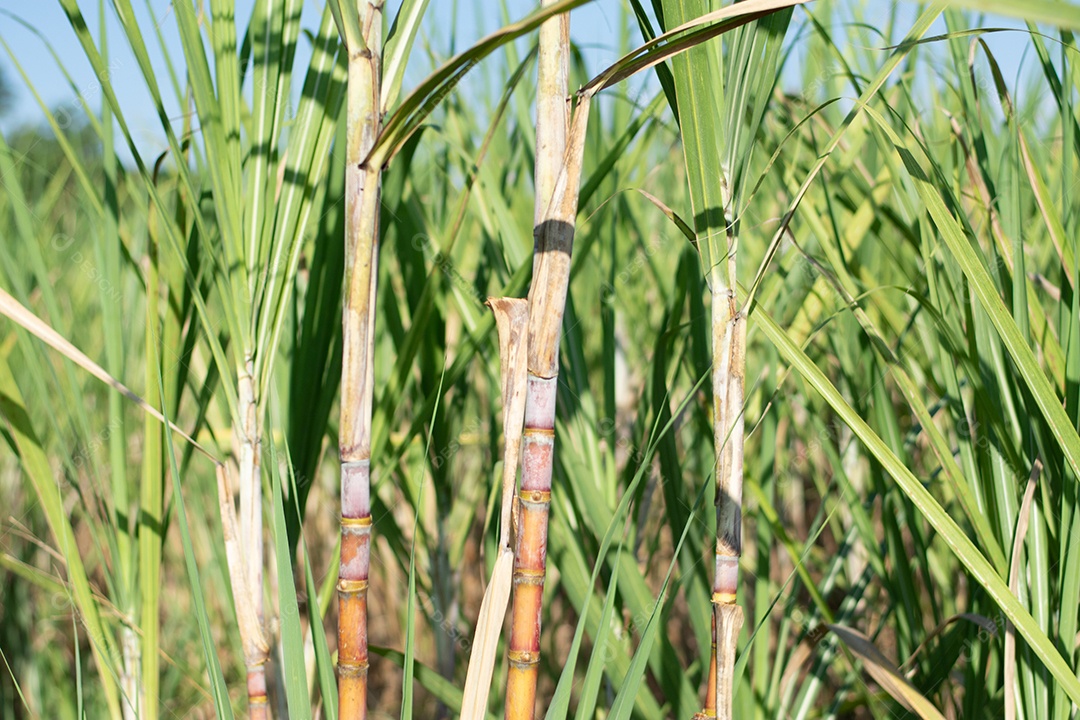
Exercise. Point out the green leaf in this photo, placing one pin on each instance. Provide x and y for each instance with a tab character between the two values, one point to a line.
981	570
954	235
294	667
399	47
1059	13
36	466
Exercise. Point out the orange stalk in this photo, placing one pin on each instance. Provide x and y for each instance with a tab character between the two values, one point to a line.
546	307
554	236
357	378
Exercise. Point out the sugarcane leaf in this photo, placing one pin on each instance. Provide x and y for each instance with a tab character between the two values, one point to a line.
965	551
410	623
687	36
918	29
17	313
594	675
440	688
292	641
307	162
418	104
623	706
219	690
399	47
347	22
953	233
36	466
884	672
191	278
1060	13
324	661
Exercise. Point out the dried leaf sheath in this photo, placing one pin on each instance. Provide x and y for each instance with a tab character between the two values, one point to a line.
729	620
357	378
511	318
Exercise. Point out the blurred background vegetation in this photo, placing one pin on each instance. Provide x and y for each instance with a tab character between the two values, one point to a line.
925	285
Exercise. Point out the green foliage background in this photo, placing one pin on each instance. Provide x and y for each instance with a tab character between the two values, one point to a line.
907	218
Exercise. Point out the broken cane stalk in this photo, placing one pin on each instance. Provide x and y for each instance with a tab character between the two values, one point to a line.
511	318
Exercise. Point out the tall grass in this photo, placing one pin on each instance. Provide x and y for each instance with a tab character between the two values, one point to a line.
884	203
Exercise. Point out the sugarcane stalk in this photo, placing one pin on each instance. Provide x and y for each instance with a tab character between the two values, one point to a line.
728	379
248	609
530	556
511	319
552	109
357	378
250	571
554	236
709	710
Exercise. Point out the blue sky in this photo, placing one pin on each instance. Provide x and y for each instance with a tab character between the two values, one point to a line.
595	28
49	19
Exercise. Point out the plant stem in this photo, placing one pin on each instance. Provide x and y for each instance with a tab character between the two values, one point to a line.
728	378
710	686
552	109
554	237
251	539
530	556
357	378
248	610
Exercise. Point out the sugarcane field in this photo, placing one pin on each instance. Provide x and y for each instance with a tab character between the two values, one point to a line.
540	359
